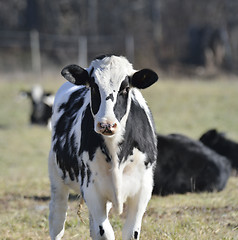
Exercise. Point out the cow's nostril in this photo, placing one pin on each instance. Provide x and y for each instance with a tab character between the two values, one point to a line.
107	128
101	125
107	125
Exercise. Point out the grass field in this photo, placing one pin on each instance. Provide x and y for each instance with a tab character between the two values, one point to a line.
182	106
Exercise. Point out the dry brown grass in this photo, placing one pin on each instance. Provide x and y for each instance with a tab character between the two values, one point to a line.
178	106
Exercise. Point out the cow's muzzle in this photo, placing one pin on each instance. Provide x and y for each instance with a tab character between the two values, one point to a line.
107	129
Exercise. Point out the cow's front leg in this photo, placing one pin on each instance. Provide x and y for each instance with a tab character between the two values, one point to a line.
136	209
100	227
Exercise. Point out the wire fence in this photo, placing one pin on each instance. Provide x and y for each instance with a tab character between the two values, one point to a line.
37	50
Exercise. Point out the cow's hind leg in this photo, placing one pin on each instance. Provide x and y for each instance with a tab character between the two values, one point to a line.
58	202
58	208
136	209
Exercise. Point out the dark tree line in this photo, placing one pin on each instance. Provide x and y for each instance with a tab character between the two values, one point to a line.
165	31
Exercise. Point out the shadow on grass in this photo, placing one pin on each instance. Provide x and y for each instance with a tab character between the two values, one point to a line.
72	197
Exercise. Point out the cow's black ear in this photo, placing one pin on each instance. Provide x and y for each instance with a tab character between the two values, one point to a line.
143	78
75	74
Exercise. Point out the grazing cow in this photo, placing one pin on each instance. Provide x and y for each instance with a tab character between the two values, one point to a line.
41	105
222	145
185	165
103	145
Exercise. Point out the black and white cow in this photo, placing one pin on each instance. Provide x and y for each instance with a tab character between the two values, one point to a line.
185	165
41	105
222	145
103	145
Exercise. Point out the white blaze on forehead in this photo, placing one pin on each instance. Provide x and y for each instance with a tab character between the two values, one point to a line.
108	74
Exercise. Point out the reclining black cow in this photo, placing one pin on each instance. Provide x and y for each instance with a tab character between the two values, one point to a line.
222	145
185	165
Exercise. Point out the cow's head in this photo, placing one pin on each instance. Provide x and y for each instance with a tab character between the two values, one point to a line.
110	80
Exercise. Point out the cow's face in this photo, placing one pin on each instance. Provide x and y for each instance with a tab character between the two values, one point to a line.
110	80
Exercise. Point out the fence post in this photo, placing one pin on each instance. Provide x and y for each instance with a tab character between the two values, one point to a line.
35	52
130	47
83	51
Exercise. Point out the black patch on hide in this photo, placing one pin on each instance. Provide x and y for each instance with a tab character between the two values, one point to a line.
122	97
110	96
90	140
135	235
95	97
138	134
101	230
65	145
103	56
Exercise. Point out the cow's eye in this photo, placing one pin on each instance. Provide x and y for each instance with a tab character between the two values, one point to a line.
124	88
124	91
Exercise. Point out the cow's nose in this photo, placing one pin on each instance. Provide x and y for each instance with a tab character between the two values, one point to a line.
107	128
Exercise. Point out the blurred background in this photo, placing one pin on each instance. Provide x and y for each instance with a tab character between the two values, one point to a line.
192	45
185	37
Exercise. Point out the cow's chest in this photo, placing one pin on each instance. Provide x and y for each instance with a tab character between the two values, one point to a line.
110	179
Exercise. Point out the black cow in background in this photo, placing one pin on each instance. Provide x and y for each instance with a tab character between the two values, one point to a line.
209	47
185	165
222	145
42	103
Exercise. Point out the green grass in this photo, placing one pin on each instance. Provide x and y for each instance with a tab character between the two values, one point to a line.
188	107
